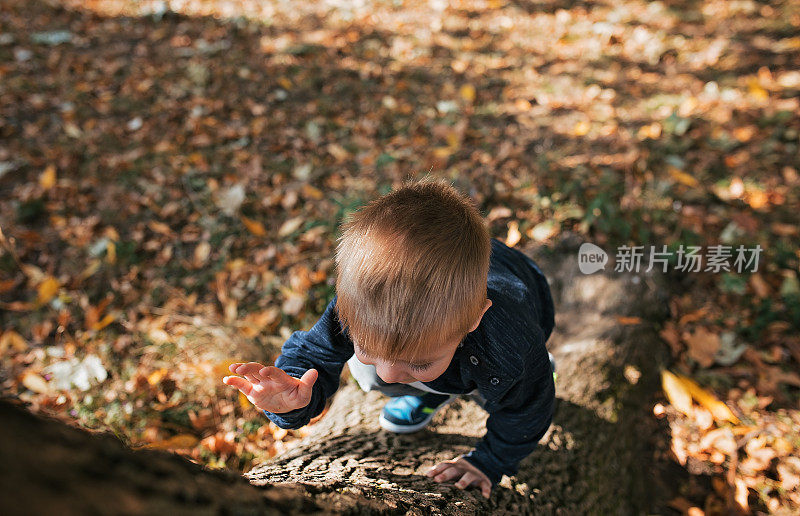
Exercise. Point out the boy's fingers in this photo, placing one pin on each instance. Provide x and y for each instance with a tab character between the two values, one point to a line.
279	376
309	377
250	368
253	379
438	468
467	480
232	367
240	383
486	489
441	467
448	474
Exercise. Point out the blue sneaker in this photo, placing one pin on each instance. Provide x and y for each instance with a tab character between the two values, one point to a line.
406	414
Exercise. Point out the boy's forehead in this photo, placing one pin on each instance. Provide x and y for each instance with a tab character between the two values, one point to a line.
426	354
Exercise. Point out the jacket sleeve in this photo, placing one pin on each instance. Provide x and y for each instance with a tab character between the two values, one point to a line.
519	419
326	348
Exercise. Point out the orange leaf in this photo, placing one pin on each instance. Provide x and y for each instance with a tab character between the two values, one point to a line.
310	191
221	369
718	409
180	441
108	319
47	289
755	89
443	152
254	226
243	401
682	177
111	252
156	376
581	128
47	179
467	92
625	321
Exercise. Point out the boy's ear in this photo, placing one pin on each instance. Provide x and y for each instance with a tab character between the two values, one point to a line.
485	307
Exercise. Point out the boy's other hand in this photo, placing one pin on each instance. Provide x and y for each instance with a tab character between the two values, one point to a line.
270	388
464	474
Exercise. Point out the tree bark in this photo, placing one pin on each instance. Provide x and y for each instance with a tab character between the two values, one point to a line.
596	458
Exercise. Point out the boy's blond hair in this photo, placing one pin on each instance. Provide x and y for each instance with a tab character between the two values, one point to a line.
412	268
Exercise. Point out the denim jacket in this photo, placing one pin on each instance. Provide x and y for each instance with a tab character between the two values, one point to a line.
504	358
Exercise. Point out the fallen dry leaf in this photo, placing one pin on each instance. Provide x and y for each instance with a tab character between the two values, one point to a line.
47	179
35	382
677	393
176	442
514	235
718	409
702	346
47	289
254	226
627	321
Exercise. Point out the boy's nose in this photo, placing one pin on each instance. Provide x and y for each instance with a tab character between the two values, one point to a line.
391	374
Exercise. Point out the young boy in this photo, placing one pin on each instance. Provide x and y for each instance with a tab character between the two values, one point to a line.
427	307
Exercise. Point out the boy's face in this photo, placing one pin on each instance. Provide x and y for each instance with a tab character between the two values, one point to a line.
425	369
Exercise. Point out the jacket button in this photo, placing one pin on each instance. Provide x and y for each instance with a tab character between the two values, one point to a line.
473	359
494	381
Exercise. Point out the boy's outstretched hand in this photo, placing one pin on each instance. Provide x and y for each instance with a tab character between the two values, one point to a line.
270	388
464	473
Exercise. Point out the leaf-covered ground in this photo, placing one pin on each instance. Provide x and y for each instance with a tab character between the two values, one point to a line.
172	175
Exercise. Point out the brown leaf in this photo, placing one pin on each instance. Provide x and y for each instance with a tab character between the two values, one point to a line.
670	334
221	443
702	346
202	420
159	227
760	287
693	316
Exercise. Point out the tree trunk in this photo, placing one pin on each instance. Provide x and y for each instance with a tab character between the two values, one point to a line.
596	458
